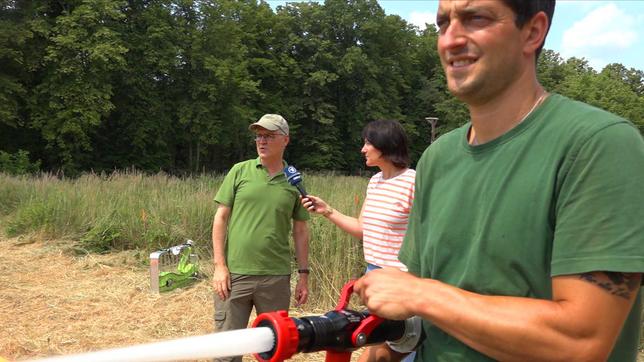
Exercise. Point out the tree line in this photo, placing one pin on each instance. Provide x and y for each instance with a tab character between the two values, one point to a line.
172	85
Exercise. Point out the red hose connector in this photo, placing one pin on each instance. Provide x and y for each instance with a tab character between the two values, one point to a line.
286	336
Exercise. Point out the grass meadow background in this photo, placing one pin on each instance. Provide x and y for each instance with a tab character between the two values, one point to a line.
99	213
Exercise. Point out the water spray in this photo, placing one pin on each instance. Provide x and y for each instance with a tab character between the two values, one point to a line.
214	345
275	337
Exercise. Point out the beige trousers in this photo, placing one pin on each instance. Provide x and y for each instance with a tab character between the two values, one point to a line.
267	293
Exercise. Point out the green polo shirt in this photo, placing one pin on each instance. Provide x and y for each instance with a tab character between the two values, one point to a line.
262	210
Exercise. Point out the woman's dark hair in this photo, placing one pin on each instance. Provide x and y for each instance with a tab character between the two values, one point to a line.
524	10
390	138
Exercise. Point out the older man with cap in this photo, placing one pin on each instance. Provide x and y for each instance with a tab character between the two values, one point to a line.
250	233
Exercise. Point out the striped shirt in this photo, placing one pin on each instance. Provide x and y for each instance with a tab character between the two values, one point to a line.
385	217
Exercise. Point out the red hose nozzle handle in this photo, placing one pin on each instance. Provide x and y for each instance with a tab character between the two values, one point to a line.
345	295
286	336
360	335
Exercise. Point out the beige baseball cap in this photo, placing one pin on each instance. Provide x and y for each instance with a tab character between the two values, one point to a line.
272	122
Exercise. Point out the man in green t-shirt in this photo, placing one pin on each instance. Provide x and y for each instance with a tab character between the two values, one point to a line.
250	233
526	237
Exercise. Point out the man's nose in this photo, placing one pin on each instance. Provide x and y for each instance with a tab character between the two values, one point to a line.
453	36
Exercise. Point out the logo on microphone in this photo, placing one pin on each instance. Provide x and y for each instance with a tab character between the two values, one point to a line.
294	178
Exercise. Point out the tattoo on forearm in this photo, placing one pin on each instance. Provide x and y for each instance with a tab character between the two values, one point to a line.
619	284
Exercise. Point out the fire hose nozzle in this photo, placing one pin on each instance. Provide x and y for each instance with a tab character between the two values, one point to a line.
286	336
339	332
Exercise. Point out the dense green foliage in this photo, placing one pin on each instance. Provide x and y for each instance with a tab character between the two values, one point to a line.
173	84
18	163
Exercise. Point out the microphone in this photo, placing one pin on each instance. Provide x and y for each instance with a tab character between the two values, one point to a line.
294	178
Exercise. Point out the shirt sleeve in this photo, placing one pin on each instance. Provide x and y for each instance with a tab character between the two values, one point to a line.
410	195
409	251
599	210
226	193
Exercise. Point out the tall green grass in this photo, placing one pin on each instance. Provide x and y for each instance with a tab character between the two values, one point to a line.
335	257
130	210
106	212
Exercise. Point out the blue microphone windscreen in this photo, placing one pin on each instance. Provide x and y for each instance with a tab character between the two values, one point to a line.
292	175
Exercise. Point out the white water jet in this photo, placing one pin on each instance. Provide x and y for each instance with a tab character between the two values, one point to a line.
215	345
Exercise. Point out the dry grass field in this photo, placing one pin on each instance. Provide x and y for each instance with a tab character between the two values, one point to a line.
54	303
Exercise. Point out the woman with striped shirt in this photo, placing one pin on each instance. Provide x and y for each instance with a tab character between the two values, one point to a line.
383	219
385	212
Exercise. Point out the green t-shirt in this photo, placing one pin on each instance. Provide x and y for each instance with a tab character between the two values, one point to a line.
262	210
561	193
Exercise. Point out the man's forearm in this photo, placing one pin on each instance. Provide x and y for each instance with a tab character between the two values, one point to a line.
219	257
581	322
520	329
219	227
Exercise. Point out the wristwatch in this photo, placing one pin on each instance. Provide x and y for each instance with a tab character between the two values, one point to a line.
303	271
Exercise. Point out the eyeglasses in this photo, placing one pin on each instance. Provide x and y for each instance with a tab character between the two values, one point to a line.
266	137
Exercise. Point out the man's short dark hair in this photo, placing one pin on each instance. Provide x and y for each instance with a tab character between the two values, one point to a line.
388	137
524	10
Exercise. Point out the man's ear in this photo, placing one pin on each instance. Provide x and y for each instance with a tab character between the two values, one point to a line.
534	33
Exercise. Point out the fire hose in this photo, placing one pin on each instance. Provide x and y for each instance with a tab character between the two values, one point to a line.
338	332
